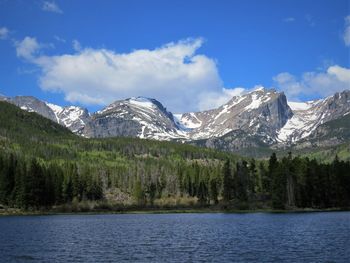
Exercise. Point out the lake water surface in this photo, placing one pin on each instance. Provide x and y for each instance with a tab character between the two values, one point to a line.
252	237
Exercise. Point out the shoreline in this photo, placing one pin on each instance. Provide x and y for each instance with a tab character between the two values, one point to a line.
17	212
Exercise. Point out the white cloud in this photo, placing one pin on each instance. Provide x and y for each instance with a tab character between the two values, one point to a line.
76	45
4	32
27	48
346	35
174	74
59	39
51	6
289	19
334	79
214	99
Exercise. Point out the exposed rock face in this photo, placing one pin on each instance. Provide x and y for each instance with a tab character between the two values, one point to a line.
310	115
134	117
32	104
72	117
258	119
261	112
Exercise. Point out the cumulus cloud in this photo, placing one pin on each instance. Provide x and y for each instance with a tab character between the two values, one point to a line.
27	48
346	35
51	6
4	32
334	79
76	45
173	73
214	99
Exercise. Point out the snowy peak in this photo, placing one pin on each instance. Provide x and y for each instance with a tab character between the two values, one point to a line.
260	117
135	117
259	111
258	97
307	116
72	117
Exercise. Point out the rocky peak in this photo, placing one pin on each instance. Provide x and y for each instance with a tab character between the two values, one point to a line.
32	104
259	111
73	117
135	117
307	116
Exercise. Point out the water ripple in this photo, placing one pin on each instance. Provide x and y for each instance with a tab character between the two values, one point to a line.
259	237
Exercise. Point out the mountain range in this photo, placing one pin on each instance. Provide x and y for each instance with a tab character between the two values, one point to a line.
260	119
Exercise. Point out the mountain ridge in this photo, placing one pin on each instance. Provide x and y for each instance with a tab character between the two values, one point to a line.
259	118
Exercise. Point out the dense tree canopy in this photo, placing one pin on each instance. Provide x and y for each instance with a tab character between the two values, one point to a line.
43	164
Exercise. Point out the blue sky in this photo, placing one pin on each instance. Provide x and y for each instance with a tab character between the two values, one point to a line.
190	55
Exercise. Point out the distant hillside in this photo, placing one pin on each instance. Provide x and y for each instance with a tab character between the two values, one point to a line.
44	165
253	124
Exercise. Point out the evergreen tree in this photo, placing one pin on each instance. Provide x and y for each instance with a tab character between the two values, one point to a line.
289	174
214	193
241	181
139	193
227	181
202	193
7	178
278	183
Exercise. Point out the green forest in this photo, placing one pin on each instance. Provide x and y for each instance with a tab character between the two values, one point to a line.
43	166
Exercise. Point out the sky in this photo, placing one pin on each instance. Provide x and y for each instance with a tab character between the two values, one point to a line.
189	54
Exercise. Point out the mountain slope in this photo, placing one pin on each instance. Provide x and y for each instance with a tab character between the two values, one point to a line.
259	113
72	117
134	117
32	104
256	122
23	126
310	115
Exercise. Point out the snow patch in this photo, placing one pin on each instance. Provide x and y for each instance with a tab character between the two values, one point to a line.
189	122
142	102
256	102
293	124
56	110
295	106
27	109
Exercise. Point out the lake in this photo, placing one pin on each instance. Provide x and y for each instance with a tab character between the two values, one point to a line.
250	237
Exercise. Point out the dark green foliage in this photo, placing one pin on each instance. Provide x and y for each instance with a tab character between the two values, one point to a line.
227	182
242	181
214	193
139	194
43	165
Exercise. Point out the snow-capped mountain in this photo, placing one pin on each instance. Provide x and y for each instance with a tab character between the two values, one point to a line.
307	116
72	117
261	112
134	117
260	118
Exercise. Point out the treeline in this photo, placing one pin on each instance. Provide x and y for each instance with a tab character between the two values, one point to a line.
33	184
288	183
43	164
37	183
